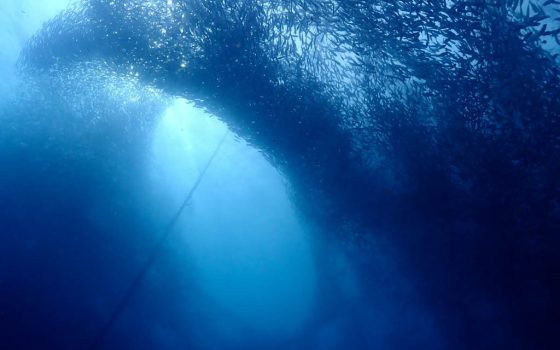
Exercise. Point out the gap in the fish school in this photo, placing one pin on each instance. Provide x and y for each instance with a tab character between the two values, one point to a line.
250	252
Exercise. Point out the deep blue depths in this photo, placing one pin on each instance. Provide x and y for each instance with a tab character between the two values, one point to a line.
432	163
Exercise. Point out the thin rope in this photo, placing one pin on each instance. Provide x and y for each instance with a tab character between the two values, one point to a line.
135	284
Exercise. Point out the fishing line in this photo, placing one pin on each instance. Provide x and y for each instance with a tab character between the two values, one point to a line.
135	284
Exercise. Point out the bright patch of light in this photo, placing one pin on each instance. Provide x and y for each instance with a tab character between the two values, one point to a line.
19	21
250	253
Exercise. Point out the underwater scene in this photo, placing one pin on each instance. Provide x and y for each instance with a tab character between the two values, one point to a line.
279	174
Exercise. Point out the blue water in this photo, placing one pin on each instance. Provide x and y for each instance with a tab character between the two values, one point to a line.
346	174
